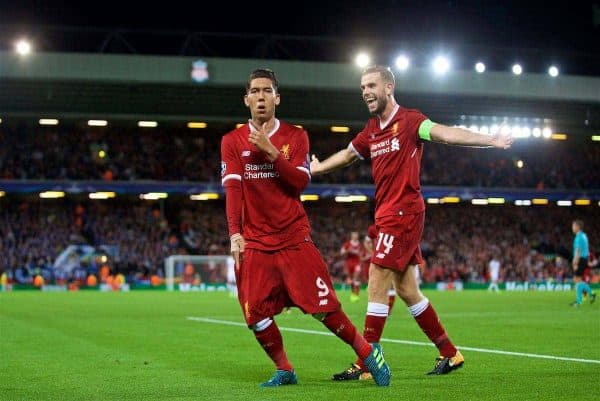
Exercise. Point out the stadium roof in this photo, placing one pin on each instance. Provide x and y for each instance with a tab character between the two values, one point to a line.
115	86
498	32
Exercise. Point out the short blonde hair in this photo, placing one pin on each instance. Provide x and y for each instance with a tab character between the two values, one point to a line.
386	73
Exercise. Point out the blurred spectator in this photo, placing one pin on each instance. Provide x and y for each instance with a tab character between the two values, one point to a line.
125	154
458	241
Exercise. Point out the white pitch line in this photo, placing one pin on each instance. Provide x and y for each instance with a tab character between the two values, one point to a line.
391	340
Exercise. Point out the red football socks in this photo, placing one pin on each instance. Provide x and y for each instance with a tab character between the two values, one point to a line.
339	324
271	341
391	301
430	324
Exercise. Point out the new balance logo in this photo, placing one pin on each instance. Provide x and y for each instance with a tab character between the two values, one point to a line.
245	153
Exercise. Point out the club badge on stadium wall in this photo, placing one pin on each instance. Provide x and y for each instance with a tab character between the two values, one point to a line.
199	71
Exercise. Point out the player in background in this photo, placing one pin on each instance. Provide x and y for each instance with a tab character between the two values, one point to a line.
231	286
365	257
264	169
581	253
351	251
592	264
494	272
393	139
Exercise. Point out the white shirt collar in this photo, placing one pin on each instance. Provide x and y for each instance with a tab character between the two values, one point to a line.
383	124
273	131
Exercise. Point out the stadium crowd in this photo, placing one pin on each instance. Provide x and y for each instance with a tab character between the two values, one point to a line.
458	242
193	155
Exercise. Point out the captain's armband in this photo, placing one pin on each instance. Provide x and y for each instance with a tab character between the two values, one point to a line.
425	130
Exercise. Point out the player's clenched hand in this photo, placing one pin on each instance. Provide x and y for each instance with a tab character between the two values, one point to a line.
237	248
259	138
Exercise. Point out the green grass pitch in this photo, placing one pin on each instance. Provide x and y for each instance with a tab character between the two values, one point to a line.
142	346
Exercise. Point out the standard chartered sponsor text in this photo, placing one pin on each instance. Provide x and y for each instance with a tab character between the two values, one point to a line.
259	171
380	148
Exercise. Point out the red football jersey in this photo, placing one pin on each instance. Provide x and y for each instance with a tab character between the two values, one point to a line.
272	217
352	252
395	150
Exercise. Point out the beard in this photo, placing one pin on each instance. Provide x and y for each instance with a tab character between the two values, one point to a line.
381	104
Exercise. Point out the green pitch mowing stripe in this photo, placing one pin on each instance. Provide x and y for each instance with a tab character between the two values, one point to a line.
406	342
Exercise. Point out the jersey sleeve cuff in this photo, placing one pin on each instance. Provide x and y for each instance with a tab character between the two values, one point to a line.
231	177
353	149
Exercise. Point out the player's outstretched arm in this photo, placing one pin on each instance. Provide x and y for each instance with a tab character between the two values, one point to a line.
463	137
338	160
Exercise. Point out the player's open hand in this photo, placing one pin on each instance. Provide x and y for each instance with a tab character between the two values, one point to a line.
238	244
259	138
502	139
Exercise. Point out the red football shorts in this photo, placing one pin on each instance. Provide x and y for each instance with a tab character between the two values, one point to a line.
396	245
268	281
352	267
